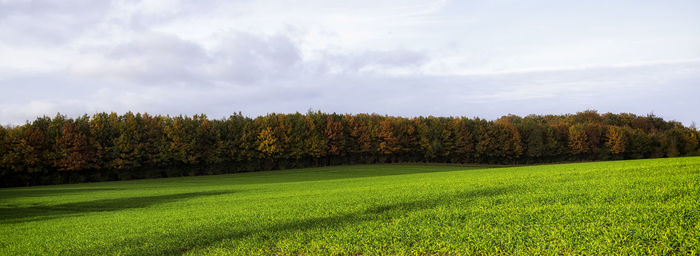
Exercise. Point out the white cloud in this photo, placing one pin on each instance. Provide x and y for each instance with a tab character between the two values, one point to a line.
417	57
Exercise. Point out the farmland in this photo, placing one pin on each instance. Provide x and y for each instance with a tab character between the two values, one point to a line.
618	207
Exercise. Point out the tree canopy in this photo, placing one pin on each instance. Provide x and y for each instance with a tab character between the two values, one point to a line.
108	146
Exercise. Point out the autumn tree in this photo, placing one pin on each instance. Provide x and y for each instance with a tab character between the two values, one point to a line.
616	140
335	135
509	139
673	141
578	140
691	143
41	151
74	149
267	142
6	177
594	135
486	147
3	148
22	155
388	143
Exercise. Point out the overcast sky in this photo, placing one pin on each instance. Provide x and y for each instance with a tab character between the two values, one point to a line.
405	57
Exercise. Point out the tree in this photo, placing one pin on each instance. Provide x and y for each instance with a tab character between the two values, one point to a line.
535	142
555	142
486	148
388	143
616	140
464	140
360	136
509	139
295	136
4	142
448	138
22	156
578	140
127	146
335	136
6	175
181	141
672	141
233	134
594	134
207	136
267	142
691	143
640	144
407	140
103	128
154	146
75	151
315	139
38	152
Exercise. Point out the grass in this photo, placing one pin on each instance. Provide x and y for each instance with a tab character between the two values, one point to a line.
620	207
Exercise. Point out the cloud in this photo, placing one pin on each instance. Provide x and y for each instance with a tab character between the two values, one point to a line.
482	58
616	89
48	23
150	59
238	58
387	61
247	58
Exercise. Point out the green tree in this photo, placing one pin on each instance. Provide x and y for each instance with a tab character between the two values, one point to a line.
464	140
153	143
315	139
127	146
640	144
535	143
207	136
181	142
103	131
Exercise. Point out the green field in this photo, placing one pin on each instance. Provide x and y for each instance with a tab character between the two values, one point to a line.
620	207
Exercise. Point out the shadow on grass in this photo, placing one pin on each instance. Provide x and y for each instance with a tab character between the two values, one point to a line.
198	239
35	213
12	193
342	172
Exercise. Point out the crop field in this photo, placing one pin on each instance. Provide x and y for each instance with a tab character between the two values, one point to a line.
618	207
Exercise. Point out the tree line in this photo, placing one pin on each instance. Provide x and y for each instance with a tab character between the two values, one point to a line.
108	146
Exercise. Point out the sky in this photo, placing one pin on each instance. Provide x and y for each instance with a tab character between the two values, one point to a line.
398	57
